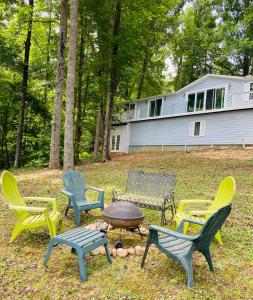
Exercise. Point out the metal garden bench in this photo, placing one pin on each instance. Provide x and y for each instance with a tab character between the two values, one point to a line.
150	190
82	241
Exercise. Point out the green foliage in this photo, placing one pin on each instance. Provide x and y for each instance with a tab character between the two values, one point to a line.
199	37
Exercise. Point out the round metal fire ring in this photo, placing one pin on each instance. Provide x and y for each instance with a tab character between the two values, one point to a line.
123	214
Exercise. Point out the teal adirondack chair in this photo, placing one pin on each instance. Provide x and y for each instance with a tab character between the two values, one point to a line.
180	247
75	189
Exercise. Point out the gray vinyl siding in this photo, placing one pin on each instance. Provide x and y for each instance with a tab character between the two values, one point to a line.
174	104
177	103
224	128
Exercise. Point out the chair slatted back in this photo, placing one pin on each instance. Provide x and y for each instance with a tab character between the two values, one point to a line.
212	226
74	182
224	194
11	193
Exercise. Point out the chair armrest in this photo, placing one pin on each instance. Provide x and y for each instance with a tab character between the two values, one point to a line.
43	199
187	220
28	208
65	192
94	189
172	233
186	202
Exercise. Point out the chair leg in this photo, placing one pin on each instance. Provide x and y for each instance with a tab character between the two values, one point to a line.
61	225
207	255
162	218
66	211
77	218
187	264
145	254
52	229
107	251
49	250
16	231
82	265
218	238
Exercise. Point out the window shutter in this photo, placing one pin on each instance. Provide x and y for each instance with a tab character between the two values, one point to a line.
202	128
191	128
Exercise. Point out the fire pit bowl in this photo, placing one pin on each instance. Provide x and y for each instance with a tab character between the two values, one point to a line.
123	214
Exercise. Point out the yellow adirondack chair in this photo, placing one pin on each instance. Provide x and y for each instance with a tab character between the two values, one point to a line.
26	220
223	197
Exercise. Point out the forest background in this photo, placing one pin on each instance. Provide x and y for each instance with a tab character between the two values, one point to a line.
65	64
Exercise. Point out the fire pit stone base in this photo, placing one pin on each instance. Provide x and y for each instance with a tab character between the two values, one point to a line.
121	252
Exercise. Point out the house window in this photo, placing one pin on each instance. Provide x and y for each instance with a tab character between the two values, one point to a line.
197	128
113	142
117	142
191	102
251	91
215	98
219	98
209	99
155	108
200	101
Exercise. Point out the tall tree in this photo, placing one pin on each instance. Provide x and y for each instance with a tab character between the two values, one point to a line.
78	127
54	161
20	130
70	88
112	75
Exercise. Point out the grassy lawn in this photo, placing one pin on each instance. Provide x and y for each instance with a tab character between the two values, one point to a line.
198	175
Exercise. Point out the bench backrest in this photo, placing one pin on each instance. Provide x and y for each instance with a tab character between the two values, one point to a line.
152	184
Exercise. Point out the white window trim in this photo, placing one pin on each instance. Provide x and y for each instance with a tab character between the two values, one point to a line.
225	87
202	131
149	106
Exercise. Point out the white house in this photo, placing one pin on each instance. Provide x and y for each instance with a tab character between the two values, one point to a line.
215	110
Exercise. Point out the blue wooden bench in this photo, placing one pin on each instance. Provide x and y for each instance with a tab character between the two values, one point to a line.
82	241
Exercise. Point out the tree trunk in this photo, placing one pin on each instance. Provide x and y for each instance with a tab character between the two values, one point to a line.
143	71
246	64
112	77
79	96
54	162
20	129
47	73
98	132
70	88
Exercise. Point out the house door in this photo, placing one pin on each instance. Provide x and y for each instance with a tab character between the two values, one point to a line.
115	142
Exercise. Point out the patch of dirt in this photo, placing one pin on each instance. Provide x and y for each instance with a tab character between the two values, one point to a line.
226	153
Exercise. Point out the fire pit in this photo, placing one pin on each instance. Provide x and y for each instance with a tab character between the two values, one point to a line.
123	215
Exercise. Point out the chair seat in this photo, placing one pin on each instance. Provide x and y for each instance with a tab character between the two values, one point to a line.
174	246
138	198
82	203
40	219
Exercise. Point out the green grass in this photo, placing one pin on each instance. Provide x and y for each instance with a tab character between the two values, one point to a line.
198	175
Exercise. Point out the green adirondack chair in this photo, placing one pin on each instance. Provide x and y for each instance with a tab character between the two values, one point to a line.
187	208
29	217
180	247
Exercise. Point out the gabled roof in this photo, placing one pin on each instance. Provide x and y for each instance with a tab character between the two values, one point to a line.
211	76
241	78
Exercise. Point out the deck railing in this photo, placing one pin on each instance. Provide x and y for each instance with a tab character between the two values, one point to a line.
239	100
